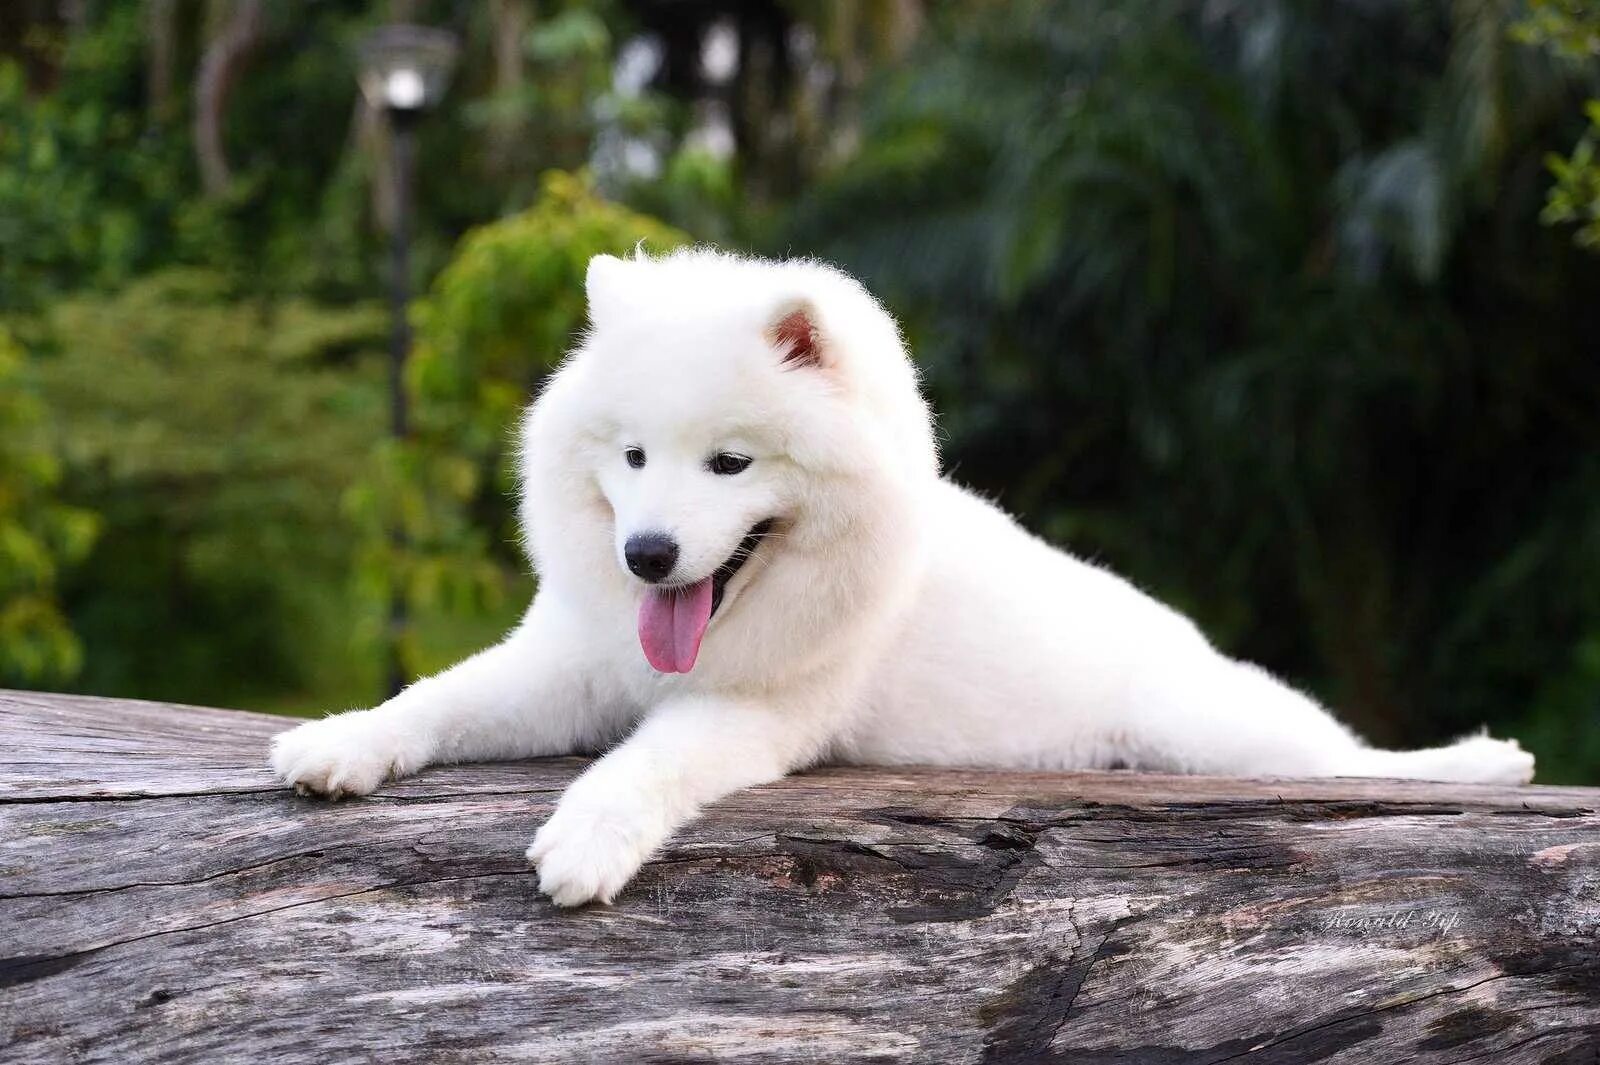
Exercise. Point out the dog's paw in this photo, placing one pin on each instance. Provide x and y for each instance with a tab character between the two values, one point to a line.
587	856
348	754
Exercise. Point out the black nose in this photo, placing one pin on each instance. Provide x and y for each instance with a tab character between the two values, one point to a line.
651	555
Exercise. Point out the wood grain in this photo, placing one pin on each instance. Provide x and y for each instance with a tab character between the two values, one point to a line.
162	901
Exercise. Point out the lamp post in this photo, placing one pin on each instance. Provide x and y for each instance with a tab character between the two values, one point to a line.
404	70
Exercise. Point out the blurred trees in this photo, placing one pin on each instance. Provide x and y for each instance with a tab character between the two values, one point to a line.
213	433
1248	299
1571	29
38	535
85	198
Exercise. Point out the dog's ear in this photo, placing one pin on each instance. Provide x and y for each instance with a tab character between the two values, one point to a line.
793	332
605	284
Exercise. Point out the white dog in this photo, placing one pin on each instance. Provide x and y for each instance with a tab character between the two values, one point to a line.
749	563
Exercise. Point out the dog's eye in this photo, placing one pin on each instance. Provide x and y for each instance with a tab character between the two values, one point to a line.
728	464
635	457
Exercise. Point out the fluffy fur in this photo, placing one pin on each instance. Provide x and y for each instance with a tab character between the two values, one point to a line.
889	617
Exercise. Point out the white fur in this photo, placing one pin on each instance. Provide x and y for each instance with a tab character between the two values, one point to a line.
892	617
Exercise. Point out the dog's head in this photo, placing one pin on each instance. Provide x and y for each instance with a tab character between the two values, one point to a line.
727	421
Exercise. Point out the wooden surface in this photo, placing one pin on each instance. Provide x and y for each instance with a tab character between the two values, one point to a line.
162	900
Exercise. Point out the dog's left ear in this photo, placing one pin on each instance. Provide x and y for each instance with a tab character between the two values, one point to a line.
604	285
795	334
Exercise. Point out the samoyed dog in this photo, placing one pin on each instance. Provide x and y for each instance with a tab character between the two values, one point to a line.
749	563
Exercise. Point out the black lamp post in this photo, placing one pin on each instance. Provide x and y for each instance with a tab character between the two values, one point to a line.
404	70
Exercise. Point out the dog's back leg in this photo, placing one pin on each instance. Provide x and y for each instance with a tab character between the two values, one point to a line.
1474	760
1230	718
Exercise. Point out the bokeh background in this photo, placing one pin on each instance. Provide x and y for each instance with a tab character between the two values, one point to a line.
1288	309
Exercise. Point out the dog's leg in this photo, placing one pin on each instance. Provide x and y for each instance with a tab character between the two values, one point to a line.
1230	718
687	753
527	696
1474	760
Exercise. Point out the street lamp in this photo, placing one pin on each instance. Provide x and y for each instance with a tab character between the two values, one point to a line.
404	70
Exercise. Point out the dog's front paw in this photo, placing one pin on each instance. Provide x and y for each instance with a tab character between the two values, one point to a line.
348	754
587	856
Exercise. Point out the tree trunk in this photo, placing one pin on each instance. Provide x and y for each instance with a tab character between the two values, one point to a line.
220	66
160	52
162	899
509	21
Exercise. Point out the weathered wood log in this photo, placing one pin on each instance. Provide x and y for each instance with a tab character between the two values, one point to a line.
162	900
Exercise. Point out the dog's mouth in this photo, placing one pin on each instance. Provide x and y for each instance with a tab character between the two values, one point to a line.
741	554
673	617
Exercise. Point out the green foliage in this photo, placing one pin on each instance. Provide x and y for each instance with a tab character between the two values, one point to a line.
549	117
699	193
85	188
1571	29
216	434
417	533
1575	197
97	185
39	537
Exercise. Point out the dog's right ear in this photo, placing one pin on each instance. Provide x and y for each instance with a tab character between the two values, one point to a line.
794	332
605	284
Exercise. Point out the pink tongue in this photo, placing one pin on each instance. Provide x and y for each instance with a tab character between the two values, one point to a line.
672	622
